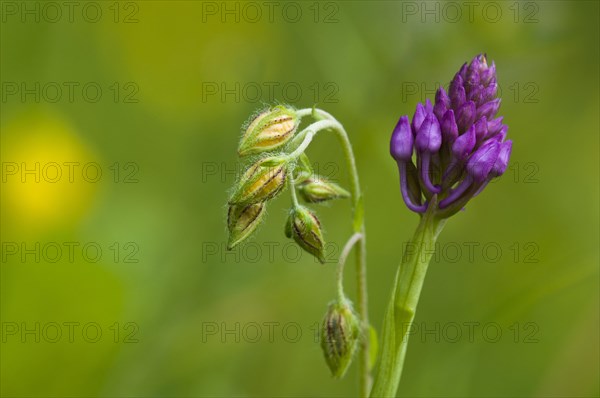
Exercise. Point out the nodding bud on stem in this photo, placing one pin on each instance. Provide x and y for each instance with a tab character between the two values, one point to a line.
317	189
262	181
305	228
269	130
340	335
242	220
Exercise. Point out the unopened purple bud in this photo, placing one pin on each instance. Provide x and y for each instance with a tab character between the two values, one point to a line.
472	80
489	109
503	158
476	94
429	136
483	159
488	74
401	144
442	103
463	71
489	92
457	92
465	116
449	127
494	126
428	106
501	134
418	117
481	129
464	144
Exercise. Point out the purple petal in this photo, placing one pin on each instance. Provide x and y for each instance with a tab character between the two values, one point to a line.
442	103
418	117
401	143
449	127
464	144
429	136
503	158
481	129
489	109
483	159
457	92
465	116
494	125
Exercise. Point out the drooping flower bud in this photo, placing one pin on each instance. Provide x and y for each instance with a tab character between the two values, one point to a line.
242	220
262	181
269	130
318	189
305	228
340	336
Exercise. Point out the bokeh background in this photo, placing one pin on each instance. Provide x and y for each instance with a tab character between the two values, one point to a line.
152	95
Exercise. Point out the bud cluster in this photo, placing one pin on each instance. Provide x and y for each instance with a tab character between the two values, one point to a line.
265	178
460	144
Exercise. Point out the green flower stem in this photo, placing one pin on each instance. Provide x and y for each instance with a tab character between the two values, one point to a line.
354	239
402	306
292	187
329	122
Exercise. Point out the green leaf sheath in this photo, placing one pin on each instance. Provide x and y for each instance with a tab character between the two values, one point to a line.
401	308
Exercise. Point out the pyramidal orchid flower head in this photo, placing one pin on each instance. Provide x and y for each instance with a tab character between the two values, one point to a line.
459	142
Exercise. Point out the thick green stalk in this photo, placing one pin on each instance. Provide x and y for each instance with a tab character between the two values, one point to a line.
402	306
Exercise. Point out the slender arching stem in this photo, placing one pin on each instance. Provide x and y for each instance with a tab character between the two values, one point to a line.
342	261
329	122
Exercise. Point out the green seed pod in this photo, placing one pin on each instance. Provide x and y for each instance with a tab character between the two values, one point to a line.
262	181
269	130
318	189
242	221
304	226
340	335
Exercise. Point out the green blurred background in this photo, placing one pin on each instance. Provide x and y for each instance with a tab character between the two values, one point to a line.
177	314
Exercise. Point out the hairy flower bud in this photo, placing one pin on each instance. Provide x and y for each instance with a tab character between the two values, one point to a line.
242	220
269	130
305	228
262	181
340	335
318	189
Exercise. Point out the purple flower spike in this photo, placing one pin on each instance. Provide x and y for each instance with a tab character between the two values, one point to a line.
459	138
466	116
481	162
401	144
449	127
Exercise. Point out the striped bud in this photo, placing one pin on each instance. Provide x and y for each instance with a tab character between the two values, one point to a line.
339	337
304	227
242	220
269	130
261	182
318	189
